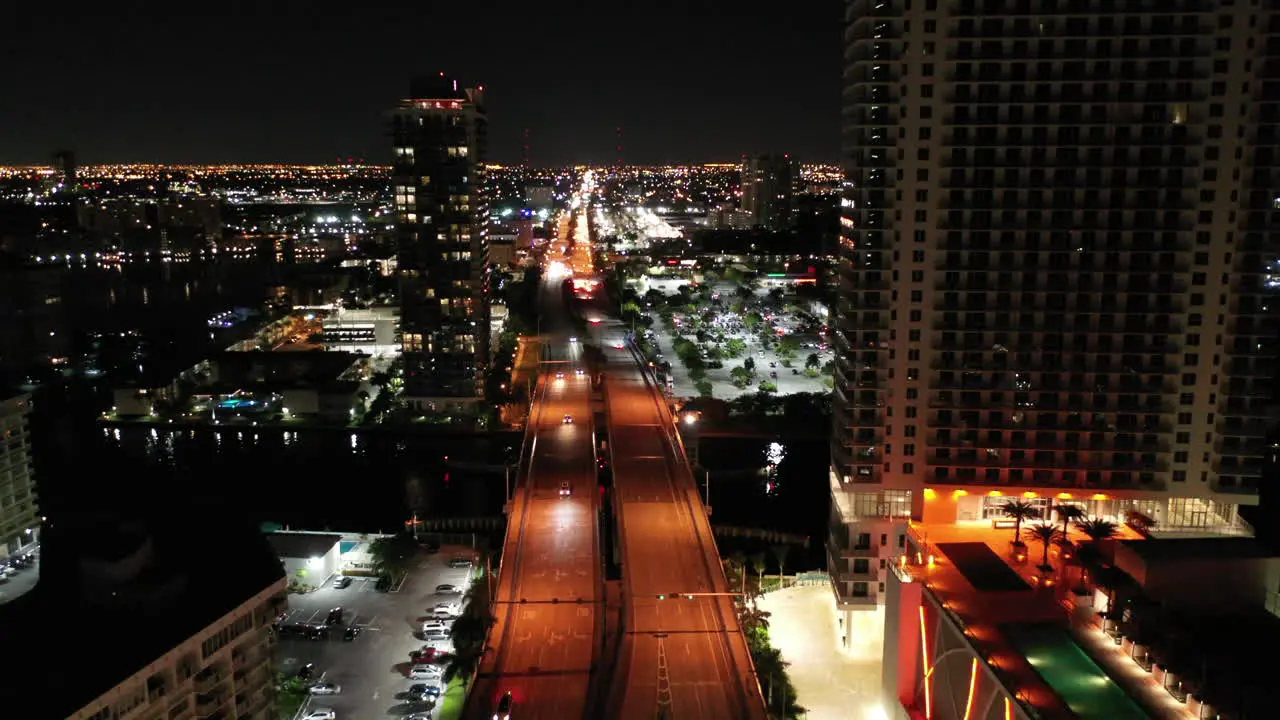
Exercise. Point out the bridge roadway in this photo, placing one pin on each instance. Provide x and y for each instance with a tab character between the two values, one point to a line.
548	600
680	658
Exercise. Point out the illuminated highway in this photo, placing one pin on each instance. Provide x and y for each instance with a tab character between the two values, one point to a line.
685	656
544	643
682	654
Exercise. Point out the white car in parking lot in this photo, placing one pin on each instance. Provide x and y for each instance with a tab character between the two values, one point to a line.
425	672
320	714
446	609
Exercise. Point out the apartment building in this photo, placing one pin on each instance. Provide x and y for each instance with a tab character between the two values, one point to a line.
19	507
438	173
768	189
1060	228
172	639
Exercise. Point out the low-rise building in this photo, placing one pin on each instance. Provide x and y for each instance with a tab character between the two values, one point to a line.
374	331
307	557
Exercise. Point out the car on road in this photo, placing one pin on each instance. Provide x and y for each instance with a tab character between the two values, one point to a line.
565	490
573	339
504	708
568	419
342	582
306	671
559	376
324	688
447	589
579	372
320	714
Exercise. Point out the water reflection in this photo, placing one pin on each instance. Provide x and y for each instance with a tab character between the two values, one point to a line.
304	478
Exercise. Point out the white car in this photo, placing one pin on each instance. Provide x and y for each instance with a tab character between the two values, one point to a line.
324	688
320	714
448	590
446	608
424	672
573	339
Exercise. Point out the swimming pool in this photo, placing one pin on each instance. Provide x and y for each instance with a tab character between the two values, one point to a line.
1081	684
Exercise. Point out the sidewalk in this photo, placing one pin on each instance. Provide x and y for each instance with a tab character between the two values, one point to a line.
831	684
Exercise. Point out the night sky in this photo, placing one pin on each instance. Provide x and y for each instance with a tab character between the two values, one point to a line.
293	81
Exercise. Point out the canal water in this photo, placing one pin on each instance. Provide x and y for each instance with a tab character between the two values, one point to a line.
369	482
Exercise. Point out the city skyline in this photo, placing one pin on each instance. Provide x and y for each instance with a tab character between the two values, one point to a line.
685	85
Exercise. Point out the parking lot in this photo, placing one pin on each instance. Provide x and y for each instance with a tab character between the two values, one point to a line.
372	668
17	577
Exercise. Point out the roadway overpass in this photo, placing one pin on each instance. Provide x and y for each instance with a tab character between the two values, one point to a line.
683	654
548	601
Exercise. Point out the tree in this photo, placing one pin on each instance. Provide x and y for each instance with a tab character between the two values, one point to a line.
469	631
1098	529
812	362
1046	535
1019	511
768	386
749	365
752	320
704	388
743	292
1068	514
735	347
780	553
758	567
393	556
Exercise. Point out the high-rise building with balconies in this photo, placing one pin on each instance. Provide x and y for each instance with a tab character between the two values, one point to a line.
19	505
1060	230
441	139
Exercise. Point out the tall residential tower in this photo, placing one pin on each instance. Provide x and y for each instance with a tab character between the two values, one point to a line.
768	189
1058	231
441	139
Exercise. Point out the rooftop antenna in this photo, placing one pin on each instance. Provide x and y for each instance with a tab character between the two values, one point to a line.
619	148
526	149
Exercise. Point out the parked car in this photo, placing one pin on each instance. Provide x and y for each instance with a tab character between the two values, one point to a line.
448	589
425	655
351	633
324	688
335	617
342	582
425	672
320	714
459	563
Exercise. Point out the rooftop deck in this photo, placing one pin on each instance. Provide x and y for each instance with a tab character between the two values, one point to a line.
1045	601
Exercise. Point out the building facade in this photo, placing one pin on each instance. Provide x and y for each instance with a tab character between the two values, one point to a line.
1059	233
19	507
226	671
441	139
768	189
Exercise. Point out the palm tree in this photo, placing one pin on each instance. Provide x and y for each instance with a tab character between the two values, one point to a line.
1019	510
1046	535
469	631
780	553
758	567
1068	514
1098	529
738	561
